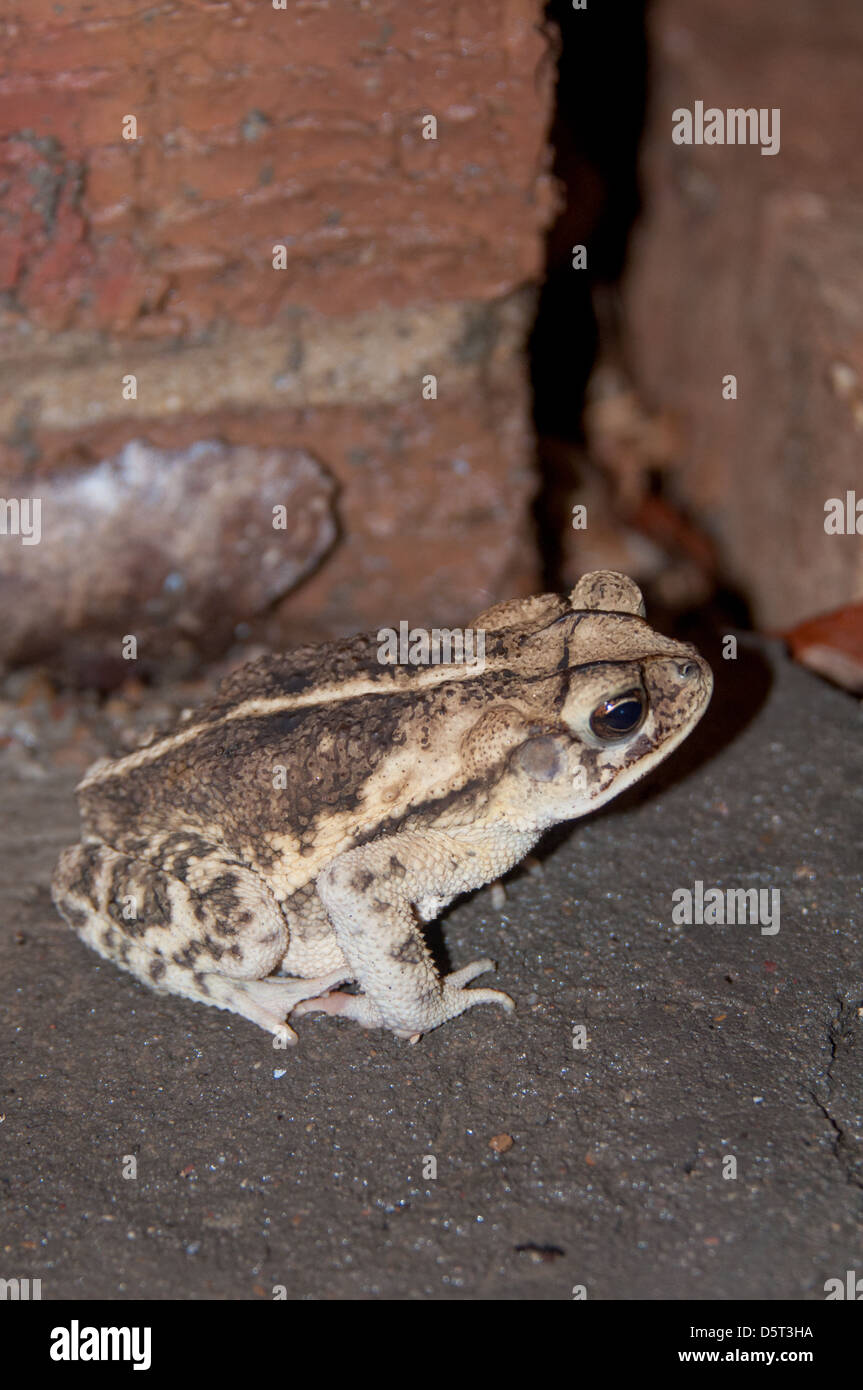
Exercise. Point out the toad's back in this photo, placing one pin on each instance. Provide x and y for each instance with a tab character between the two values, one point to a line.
301	754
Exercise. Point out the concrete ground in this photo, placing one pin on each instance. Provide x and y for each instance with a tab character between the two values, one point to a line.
556	1166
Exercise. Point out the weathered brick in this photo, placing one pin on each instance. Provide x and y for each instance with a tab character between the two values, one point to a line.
188	539
749	265
111	187
63	14
250	103
153	257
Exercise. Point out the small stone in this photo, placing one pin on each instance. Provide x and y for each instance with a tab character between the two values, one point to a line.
501	1143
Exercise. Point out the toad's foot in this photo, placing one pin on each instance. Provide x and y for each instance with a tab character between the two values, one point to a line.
267	1002
451	1000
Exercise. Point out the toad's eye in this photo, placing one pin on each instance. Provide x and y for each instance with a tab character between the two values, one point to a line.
619	717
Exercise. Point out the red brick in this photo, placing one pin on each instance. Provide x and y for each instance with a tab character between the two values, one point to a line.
56	282
111	180
749	265
98	121
39	13
119	296
469	491
216	105
13	252
58	50
344	87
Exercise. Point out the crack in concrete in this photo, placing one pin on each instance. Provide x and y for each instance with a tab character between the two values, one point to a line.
840	1030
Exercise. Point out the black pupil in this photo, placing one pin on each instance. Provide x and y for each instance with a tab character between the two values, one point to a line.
622	717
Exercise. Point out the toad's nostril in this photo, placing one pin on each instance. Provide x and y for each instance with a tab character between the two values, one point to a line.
688	669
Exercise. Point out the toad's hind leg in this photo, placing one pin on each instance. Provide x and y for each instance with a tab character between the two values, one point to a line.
213	937
313	947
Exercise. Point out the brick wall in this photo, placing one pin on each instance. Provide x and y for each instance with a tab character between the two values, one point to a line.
749	264
153	258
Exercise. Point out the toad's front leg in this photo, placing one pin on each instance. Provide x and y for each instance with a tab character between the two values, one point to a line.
370	894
